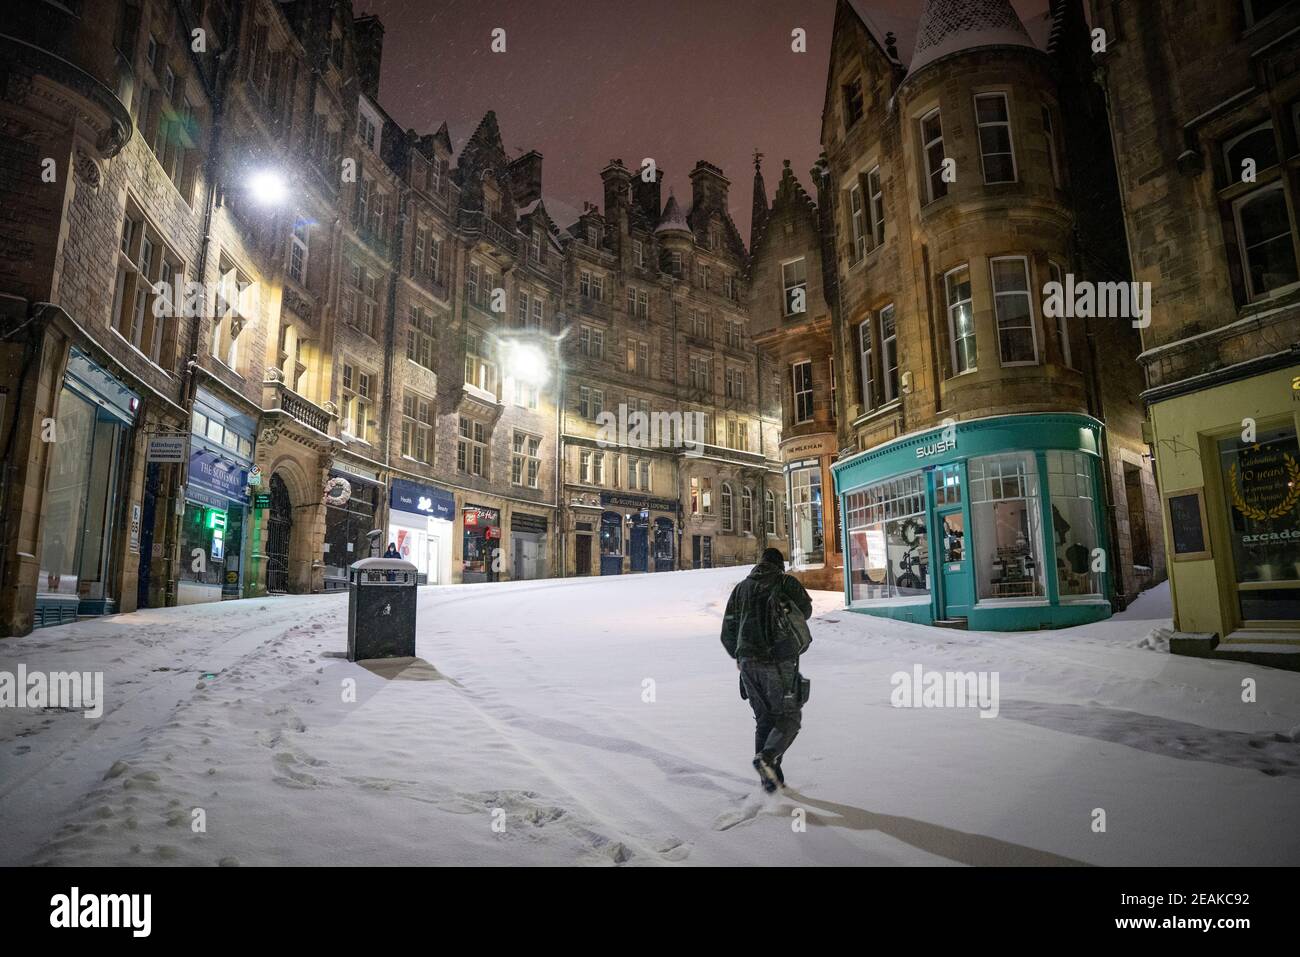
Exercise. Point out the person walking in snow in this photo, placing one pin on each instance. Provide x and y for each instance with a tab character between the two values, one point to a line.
761	630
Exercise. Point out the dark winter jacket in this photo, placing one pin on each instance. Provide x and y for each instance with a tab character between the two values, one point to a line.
744	627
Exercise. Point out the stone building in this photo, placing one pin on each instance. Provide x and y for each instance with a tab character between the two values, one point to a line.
986	443
1205	104
657	333
320	333
792	286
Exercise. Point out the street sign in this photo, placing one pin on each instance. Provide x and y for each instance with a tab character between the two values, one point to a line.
168	447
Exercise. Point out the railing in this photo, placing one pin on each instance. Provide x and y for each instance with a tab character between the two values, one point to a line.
306	412
475	221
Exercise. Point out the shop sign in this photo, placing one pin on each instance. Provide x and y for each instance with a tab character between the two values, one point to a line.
936	448
492	532
169	448
210	471
640	503
262	500
476	516
255	476
422	499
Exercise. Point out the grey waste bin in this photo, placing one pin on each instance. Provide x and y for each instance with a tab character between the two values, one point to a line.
381	609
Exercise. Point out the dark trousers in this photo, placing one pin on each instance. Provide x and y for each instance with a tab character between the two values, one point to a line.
772	689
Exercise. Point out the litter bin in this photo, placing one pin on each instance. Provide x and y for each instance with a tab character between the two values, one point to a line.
381	609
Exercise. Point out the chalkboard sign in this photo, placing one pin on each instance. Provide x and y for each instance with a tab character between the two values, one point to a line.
1187	525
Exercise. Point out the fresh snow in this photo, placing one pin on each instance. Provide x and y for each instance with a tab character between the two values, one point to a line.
527	706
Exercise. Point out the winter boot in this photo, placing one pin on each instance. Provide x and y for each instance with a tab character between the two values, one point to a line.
767	774
780	775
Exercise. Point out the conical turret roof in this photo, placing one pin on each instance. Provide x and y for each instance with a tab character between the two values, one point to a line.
953	26
673	219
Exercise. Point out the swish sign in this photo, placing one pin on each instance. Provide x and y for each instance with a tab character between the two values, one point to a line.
944	443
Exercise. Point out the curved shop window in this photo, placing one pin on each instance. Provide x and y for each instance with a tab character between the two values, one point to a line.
889	555
1006	519
1074	524
807	544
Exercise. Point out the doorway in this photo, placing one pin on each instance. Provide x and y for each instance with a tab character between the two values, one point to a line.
954	553
279	526
582	554
640	544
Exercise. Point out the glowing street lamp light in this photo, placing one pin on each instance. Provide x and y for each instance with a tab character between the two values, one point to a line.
528	363
268	188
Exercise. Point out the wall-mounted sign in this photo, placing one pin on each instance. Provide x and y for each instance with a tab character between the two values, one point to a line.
423	500
210	471
262	500
1188	532
936	448
171	448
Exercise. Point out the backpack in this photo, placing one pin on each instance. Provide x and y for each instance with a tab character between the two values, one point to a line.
787	631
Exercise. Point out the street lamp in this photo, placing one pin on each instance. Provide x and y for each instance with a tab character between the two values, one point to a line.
267	187
527	363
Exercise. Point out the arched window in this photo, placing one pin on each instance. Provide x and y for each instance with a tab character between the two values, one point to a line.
727	523
747	509
769	512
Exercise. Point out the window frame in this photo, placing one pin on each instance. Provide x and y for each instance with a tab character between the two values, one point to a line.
1011	142
1028	293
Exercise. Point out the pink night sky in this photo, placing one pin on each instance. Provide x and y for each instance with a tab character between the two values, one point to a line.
585	81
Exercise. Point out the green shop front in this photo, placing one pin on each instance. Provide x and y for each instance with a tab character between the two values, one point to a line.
996	523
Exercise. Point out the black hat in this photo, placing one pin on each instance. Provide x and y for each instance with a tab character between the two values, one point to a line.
773	556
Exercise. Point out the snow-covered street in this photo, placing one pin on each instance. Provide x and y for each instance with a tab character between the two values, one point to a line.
598	721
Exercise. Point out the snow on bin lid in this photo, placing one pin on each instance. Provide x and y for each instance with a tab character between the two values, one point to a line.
951	26
384	565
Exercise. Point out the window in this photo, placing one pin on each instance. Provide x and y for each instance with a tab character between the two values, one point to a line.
638	303
738	435
876	207
591	286
735	383
638	253
298	251
728	522
592	467
867	353
480	371
801	373
1017	341
591	342
887	539
700	324
852	94
355	398
236	305
535	246
794	280
420	343
932	148
735	333
525	460
701	495
145	305
769	513
1264	237
526	394
700	374
747	510
417	427
361	303
703	275
1074	523
675	264
807	542
290	355
471	446
1258	490
1062	322
595	236
1006	520
366	129
858	222
961	322
731	288
638	357
1049	137
472	274
888	353
591	402
993	121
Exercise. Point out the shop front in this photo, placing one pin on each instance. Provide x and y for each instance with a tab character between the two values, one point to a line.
803	480
84	497
527	546
1228	459
480	543
632	530
216	503
996	523
421	519
352	498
